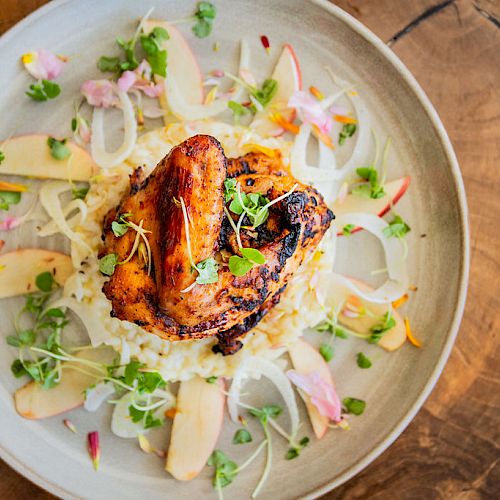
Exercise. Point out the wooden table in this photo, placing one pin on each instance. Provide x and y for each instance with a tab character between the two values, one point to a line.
451	449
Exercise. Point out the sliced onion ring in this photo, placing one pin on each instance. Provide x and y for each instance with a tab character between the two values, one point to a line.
97	144
254	366
398	280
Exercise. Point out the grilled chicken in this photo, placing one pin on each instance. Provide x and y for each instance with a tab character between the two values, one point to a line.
165	301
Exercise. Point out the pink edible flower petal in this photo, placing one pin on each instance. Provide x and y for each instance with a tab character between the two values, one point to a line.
99	93
10	222
69	424
310	111
322	394
42	64
126	81
149	89
94	448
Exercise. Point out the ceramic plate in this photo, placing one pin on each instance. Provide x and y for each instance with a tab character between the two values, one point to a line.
397	385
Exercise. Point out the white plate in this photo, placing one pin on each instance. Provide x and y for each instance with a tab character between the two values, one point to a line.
398	383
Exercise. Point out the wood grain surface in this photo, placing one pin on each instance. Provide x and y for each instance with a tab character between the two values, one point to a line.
451	449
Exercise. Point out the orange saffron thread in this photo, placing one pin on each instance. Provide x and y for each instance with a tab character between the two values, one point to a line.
344	119
409	334
400	301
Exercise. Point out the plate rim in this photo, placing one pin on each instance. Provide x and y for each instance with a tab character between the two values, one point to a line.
412	83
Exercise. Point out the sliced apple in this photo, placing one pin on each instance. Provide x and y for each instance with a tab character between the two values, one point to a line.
182	63
19	269
34	402
306	359
288	75
197	425
393	338
29	155
394	190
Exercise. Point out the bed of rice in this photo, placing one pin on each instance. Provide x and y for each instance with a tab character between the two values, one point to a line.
298	309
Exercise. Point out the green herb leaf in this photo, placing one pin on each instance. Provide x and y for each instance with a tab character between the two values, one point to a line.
17	368
2	157
108	64
229	189
354	406
326	326
108	263
326	351
225	469
378	330
205	15
8	198
207	271
79	193
397	228
58	148
266	412
347	229
45	281
131	371
158	62
13	341
242	436
118	228
374	189
238	111
348	130
43	90
253	255
27	337
239	266
211	380
294	452
363	361
267	92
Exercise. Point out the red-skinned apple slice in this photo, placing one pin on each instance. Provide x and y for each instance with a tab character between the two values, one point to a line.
392	339
29	156
394	190
287	74
182	63
34	402
196	428
19	269
306	359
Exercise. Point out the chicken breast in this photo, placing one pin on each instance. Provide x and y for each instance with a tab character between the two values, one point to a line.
168	302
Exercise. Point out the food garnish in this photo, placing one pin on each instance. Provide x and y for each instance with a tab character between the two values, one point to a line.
409	334
204	16
397	228
265	43
354	406
348	130
70	425
242	436
43	90
43	65
58	148
363	361
387	322
94	448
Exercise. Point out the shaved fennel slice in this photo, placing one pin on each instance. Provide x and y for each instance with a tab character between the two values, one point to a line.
77	219
361	147
255	367
398	281
298	160
185	111
49	198
90	318
96	395
97	144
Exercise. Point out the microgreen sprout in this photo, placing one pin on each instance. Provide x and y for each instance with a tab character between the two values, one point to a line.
58	148
377	331
43	90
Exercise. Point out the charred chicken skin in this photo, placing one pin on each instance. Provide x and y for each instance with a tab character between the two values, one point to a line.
164	301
